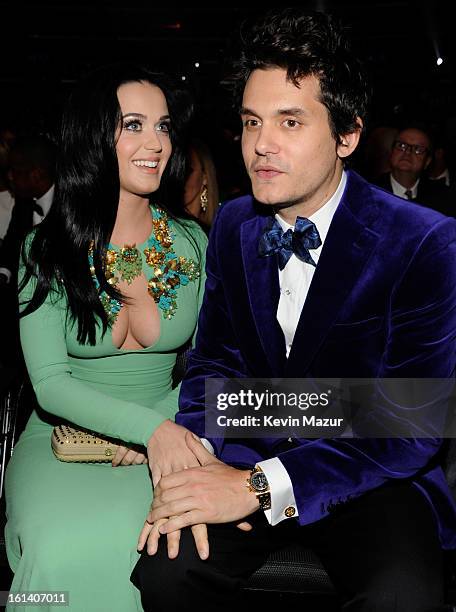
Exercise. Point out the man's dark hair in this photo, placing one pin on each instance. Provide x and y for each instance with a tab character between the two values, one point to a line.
306	44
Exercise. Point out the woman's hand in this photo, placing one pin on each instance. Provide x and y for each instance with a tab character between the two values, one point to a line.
150	535
168	452
128	456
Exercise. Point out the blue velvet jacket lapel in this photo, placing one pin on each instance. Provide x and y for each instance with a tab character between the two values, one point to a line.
262	278
347	248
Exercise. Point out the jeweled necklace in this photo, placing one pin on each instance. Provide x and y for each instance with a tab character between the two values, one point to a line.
170	271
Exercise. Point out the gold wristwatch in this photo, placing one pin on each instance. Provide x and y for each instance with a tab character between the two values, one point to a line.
258	484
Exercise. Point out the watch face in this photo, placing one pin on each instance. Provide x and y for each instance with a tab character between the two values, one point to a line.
259	482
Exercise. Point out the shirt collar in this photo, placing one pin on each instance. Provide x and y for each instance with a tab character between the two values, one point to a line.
444	175
400	190
324	215
46	200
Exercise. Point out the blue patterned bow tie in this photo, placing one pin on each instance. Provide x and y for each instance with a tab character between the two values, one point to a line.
304	237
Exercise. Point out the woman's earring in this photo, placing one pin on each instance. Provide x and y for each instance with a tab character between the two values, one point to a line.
204	199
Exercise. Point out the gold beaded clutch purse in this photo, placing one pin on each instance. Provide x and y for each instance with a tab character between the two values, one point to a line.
76	445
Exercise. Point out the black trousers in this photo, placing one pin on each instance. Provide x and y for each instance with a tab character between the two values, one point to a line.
380	550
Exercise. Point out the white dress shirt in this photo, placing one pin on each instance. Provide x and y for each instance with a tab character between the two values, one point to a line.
45	202
443	175
399	190
6	208
294	282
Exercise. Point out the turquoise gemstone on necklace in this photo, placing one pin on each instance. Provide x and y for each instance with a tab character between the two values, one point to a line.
170	271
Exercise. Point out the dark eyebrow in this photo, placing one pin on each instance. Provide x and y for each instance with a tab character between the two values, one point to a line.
282	111
246	111
136	115
140	116
292	111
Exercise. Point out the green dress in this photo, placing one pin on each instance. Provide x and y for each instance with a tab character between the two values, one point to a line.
74	527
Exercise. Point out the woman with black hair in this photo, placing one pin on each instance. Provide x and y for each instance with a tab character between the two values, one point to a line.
111	286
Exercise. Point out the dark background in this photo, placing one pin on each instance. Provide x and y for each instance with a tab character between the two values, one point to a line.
46	46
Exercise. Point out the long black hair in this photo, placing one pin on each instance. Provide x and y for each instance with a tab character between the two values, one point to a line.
87	191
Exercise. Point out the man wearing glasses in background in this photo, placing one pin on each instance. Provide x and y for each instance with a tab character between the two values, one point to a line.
411	154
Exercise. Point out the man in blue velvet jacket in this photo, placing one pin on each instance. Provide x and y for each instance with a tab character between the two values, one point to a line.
369	291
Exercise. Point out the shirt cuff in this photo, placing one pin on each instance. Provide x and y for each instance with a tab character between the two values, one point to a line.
7	273
283	502
207	445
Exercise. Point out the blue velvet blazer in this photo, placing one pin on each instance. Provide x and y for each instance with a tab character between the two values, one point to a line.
382	303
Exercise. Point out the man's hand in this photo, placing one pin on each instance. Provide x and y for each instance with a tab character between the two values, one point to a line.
150	533
168	452
212	493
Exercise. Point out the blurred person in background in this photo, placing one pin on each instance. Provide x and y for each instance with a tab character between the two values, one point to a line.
31	173
411	156
201	192
7	137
